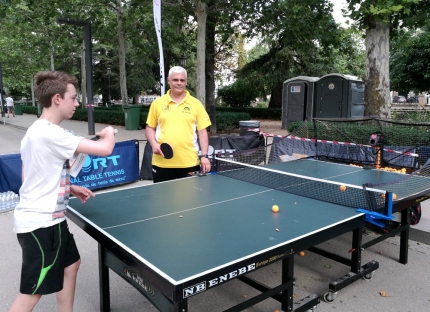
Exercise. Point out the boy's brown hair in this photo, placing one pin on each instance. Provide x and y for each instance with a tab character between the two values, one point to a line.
49	83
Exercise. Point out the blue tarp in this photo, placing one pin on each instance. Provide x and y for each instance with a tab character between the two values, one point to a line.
122	166
345	152
10	172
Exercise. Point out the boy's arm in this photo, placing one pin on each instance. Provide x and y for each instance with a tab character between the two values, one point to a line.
102	147
82	193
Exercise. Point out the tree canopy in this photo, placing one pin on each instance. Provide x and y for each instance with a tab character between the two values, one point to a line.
378	18
409	62
296	37
303	40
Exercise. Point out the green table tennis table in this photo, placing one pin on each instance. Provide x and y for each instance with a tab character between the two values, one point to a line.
176	239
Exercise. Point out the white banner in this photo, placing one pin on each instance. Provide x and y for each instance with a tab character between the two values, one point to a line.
157	23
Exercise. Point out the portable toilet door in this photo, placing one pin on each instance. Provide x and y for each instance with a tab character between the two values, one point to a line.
356	99
297	99
336	94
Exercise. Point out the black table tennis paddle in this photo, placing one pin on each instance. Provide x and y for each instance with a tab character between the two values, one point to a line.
77	162
197	173
96	138
167	150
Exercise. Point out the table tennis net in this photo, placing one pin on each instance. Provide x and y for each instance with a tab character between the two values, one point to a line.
319	189
408	186
405	183
402	144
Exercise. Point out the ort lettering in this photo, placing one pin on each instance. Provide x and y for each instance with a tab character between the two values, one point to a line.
102	161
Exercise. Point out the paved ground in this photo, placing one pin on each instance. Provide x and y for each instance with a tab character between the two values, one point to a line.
394	287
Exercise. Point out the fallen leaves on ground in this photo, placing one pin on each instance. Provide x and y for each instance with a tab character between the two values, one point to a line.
383	294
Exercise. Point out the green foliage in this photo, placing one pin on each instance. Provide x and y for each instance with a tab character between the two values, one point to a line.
404	134
350	54
256	52
396	13
294	125
238	94
255	112
409	61
302	39
32	40
423	116
262	104
26	109
226	121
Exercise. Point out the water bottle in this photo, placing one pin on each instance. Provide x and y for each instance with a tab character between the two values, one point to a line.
8	201
15	200
2	202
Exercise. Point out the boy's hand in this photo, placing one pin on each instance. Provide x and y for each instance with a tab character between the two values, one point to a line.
105	131
82	193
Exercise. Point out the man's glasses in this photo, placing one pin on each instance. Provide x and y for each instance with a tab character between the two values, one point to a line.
177	80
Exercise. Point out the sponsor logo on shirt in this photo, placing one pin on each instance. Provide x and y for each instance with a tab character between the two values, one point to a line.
186	110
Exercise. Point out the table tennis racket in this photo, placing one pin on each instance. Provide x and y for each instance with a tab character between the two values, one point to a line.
77	162
197	173
167	150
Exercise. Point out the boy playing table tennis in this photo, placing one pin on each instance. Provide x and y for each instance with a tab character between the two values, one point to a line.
50	256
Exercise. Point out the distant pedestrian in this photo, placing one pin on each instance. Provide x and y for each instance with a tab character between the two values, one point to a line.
10	106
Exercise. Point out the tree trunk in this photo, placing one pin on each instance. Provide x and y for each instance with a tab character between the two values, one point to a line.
167	57
201	14
377	77
33	100
121	55
84	77
276	96
210	69
51	52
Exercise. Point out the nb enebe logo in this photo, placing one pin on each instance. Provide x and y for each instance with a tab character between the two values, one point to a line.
204	285
96	162
139	280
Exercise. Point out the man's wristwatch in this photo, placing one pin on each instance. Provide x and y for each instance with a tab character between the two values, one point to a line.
204	155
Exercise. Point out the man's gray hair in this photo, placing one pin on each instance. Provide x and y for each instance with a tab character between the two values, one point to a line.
177	70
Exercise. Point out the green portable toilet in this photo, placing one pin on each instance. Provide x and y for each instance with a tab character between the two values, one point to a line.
297	99
339	96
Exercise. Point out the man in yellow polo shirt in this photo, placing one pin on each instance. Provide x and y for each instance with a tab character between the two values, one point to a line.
177	118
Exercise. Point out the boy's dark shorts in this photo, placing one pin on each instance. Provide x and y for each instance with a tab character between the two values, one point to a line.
46	252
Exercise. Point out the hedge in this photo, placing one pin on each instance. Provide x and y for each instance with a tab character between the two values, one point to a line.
226	121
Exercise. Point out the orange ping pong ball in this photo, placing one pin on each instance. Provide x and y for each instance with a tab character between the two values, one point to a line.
394	196
275	208
342	188
302	253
